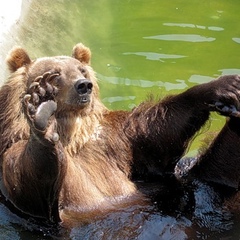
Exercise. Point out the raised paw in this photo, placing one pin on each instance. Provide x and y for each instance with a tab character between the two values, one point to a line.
39	106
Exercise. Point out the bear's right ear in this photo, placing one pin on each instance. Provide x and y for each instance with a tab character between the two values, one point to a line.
82	53
17	58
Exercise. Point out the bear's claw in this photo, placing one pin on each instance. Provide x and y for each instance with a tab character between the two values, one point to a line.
39	102
226	110
47	77
42	87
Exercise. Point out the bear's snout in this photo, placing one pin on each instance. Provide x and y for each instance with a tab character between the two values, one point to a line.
83	86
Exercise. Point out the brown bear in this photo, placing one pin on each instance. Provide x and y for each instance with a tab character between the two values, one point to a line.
63	152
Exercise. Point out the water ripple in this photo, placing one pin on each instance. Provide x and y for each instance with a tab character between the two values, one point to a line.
182	37
189	25
237	40
230	71
155	56
118	99
178	84
199	79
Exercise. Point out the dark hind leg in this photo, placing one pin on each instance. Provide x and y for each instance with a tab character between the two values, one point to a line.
221	162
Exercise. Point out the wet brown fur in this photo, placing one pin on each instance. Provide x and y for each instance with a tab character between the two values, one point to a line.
77	130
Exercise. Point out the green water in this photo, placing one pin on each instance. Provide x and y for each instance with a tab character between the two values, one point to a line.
139	47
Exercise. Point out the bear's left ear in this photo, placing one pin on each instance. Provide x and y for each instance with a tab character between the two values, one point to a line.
17	58
82	53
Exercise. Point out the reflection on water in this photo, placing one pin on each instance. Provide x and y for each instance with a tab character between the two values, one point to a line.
199	79
237	40
182	37
155	56
118	99
213	28
171	216
135	223
229	71
139	47
178	84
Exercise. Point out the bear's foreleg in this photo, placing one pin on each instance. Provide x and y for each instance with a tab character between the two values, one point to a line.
33	170
161	132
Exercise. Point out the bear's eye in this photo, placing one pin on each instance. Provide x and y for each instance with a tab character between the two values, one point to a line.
84	72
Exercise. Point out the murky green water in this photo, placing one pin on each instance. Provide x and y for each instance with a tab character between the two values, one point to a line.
139	47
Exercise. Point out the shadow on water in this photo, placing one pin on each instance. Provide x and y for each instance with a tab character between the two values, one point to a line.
138	47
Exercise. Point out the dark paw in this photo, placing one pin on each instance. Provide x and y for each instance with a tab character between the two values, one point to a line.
183	168
226	110
39	102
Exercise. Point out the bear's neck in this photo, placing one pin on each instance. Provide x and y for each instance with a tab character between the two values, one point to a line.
75	130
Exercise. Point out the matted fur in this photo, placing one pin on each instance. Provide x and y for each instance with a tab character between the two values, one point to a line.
13	124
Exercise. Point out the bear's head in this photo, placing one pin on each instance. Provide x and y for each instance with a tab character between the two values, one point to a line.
74	79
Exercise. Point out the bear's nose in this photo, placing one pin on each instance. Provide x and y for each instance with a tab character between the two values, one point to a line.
83	86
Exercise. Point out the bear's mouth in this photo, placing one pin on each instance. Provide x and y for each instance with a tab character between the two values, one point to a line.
83	99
